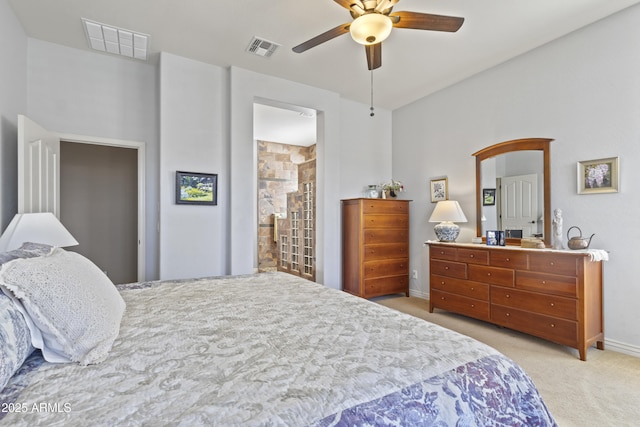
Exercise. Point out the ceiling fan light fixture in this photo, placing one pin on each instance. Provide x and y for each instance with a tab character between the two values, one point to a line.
370	28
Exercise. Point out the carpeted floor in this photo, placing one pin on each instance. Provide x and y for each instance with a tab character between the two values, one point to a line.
603	391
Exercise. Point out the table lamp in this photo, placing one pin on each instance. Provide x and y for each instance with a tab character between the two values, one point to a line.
41	227
446	213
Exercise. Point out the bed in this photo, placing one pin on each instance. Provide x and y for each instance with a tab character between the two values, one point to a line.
269	349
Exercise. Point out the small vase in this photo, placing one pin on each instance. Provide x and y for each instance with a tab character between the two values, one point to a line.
392	194
372	192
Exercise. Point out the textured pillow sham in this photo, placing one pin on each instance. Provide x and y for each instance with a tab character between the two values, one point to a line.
14	330
15	338
73	304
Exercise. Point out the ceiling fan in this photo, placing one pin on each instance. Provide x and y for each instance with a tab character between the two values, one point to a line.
372	23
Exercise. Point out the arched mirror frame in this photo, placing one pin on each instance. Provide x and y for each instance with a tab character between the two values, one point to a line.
542	144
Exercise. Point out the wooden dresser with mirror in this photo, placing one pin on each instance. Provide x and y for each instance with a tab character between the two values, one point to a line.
552	294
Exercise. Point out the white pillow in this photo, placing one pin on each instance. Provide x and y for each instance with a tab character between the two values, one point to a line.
72	303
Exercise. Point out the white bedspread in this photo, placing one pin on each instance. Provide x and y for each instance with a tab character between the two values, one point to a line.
261	350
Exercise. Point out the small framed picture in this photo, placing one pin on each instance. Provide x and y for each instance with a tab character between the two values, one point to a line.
598	176
439	190
196	188
495	238
488	196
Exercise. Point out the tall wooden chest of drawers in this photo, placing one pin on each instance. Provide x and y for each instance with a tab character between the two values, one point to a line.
555	295
375	247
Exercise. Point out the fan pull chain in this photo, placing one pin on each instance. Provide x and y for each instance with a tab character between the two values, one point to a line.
371	108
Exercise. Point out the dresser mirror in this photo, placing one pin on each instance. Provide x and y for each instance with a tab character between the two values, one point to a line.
523	207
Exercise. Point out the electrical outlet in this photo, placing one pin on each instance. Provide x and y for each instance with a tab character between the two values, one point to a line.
414	274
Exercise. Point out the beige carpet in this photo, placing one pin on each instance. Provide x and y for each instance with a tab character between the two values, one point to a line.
603	391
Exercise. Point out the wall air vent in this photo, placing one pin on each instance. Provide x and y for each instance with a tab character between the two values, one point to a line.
262	47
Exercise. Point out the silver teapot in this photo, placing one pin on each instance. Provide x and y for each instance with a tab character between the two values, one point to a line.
578	242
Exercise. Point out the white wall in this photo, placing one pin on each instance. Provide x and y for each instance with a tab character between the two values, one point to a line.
13	101
85	93
193	97
365	150
582	90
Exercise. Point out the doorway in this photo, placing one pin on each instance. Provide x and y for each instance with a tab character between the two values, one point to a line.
98	204
285	138
39	165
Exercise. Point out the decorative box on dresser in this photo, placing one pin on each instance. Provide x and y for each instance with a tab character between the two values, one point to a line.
375	247
555	295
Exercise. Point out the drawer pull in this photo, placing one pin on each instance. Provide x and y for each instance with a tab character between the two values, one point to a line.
441	252
552	263
508	296
552	304
488	274
544	282
471	256
473	306
473	289
508	314
446	267
442	283
508	259
442	298
552	325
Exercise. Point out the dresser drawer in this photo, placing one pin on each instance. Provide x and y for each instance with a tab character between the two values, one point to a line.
443	252
385	251
459	304
449	268
554	264
385	235
493	275
509	259
561	331
461	287
556	306
473	256
382	268
386	286
385	221
547	283
385	207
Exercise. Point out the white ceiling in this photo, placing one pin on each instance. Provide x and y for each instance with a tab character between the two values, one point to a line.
414	63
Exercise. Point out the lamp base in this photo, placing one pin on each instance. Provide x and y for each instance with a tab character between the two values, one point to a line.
447	231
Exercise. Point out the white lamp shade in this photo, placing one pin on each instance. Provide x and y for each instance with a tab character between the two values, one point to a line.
370	28
42	227
448	210
446	213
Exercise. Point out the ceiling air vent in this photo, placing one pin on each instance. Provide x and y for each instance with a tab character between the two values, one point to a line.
262	47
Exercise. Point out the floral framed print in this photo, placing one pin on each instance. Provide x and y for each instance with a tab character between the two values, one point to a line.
488	197
196	188
598	176
439	190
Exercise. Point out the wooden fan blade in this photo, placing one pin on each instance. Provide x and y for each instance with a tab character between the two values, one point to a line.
348	3
326	36
426	21
374	56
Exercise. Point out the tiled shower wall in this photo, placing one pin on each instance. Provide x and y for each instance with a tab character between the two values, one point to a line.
277	176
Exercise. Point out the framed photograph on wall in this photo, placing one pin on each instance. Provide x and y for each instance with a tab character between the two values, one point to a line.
439	190
196	188
598	176
488	197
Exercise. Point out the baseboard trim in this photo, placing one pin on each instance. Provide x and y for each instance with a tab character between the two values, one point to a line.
620	347
419	294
